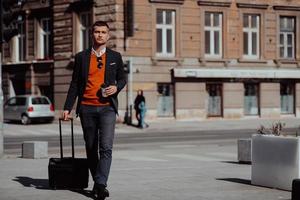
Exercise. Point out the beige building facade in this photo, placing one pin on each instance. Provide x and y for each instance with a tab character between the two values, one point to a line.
224	59
194	59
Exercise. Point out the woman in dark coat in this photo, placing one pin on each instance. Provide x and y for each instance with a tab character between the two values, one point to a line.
138	99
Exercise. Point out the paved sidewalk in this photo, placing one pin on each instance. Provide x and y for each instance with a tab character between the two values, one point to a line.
195	170
161	126
164	125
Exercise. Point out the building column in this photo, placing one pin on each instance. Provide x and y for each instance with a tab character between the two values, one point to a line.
190	100
233	100
270	100
297	98
32	79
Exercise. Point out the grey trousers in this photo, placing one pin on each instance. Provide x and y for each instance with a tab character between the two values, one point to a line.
98	125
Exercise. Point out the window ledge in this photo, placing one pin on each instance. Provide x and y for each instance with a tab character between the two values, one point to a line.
251	116
18	63
246	60
279	62
287	61
166	59
287	115
29	62
220	60
43	61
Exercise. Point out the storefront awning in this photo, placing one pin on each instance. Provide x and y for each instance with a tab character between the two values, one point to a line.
238	73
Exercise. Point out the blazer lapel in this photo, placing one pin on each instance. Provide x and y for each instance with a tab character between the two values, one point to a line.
107	62
86	63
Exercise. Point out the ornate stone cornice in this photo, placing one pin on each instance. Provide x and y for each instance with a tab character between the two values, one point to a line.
254	6
167	1
290	8
218	3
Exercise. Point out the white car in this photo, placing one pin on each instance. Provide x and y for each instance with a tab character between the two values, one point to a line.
28	108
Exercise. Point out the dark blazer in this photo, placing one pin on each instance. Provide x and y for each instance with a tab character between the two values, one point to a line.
114	75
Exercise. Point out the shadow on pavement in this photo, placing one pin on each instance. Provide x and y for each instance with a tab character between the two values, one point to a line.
136	125
87	193
43	184
16	122
33	182
236	180
237	163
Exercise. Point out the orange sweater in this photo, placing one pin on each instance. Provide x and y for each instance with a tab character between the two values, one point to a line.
95	80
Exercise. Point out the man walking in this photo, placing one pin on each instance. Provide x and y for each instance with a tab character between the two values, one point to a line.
97	79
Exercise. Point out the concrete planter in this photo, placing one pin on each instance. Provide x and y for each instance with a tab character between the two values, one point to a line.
275	161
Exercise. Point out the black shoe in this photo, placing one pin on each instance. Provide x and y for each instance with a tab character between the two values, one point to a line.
106	192
100	192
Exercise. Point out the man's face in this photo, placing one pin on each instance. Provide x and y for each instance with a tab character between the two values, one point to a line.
100	35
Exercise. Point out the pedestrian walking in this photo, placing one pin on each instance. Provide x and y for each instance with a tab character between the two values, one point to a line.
98	77
138	99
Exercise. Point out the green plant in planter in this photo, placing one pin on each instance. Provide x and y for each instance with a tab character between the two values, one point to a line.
276	129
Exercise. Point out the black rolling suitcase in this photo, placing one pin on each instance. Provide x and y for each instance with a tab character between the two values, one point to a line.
68	172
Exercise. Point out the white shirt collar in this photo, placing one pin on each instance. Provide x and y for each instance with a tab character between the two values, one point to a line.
100	53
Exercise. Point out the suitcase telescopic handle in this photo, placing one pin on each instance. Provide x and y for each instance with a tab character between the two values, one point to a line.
60	137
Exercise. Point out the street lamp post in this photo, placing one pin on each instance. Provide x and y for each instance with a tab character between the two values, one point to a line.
128	113
8	19
1	110
1	91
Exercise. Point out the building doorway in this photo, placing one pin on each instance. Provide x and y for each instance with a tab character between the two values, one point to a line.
215	99
251	99
287	96
165	104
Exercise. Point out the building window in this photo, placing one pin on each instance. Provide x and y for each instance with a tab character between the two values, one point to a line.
85	35
251	99
287	95
251	36
20	44
165	33
165	104
287	37
213	34
45	34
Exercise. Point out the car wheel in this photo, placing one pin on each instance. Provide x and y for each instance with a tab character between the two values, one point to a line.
25	119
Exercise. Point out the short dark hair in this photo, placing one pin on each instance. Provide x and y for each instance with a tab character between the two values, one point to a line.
99	23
